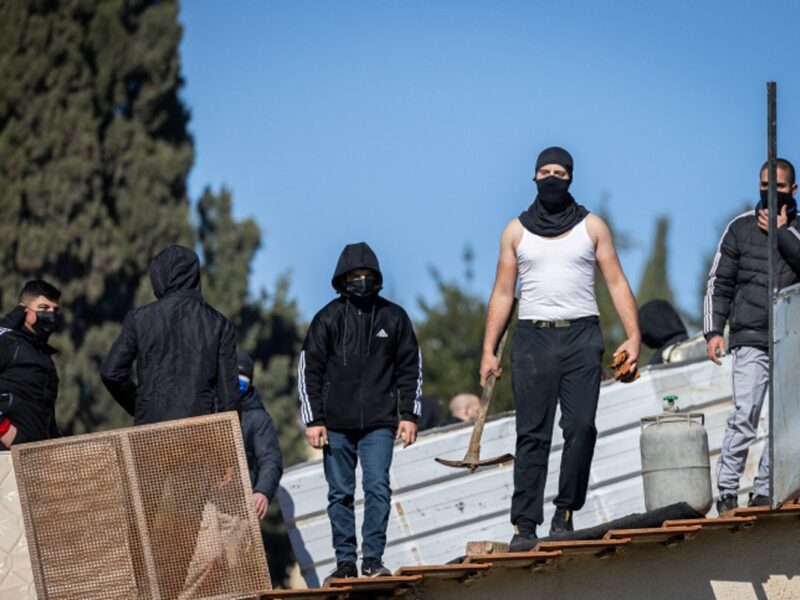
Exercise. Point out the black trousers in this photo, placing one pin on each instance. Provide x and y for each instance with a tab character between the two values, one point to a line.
548	365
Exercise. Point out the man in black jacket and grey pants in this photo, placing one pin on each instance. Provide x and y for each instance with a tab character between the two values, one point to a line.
360	366
185	351
737	293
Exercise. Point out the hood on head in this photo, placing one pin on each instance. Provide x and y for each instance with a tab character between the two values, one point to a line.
660	324
174	268
355	256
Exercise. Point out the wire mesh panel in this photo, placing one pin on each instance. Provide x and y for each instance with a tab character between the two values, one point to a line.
157	512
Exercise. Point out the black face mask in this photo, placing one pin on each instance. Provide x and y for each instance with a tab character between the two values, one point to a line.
553	193
784	199
362	288
47	321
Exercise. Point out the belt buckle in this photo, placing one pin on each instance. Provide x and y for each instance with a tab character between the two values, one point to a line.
542	324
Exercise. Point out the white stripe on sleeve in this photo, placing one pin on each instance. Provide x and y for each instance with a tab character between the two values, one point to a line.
305	405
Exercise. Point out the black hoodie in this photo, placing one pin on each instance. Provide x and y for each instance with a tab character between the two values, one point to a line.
185	351
360	365
28	373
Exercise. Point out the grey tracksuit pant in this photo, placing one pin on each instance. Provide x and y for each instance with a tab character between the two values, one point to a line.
750	383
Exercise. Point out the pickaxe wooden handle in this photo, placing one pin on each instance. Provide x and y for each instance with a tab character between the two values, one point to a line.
472	460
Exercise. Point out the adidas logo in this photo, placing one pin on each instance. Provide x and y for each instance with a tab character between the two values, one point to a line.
382	334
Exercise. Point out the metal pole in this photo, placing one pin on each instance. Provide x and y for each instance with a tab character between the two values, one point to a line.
772	238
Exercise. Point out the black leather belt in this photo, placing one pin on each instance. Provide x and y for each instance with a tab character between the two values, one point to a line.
563	323
551	324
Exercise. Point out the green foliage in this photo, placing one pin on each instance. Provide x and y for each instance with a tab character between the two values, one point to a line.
94	157
266	326
94	154
267	331
450	335
655	277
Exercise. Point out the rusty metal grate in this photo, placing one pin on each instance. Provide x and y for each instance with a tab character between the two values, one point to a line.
158	512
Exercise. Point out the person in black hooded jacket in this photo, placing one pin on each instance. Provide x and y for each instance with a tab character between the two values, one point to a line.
737	293
359	367
185	351
264	457
28	376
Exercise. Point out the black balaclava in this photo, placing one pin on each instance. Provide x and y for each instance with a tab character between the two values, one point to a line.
554	211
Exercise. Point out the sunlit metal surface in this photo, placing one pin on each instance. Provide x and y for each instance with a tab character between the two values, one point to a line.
786	399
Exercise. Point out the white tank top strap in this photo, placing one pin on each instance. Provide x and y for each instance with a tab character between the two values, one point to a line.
557	276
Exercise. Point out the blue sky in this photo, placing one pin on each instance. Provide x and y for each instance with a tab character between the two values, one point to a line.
414	125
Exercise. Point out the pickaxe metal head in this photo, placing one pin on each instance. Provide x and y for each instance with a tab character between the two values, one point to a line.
474	464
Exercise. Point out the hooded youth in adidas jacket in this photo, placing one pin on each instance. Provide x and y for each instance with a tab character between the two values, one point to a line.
360	365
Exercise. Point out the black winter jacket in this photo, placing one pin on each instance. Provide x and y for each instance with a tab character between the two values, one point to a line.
264	457
360	364
28	373
737	282
185	351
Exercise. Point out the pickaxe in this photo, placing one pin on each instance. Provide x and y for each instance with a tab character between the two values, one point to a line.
472	460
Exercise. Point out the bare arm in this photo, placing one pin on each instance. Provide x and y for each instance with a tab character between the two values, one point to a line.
502	298
618	287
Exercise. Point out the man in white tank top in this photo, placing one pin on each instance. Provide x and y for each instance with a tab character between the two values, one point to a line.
556	352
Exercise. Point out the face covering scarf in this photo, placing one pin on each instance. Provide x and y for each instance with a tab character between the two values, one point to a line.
554	211
784	199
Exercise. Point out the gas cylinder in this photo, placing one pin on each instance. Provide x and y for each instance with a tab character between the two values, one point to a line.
675	465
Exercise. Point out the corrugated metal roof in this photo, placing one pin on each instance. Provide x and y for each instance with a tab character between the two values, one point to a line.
545	555
436	509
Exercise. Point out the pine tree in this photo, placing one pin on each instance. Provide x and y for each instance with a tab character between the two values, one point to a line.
450	335
266	326
94	154
655	277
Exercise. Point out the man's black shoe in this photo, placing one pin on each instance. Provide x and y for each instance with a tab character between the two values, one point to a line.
758	500
373	567
523	541
343	570
727	502
562	521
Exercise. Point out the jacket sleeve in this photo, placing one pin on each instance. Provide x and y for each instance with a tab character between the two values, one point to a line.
116	368
228	396
721	284
6	351
311	373
268	455
408	372
789	247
